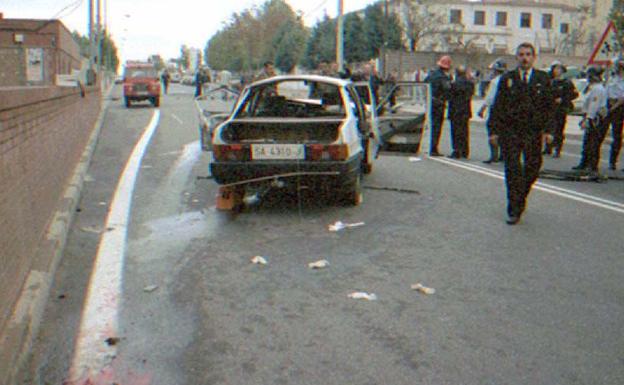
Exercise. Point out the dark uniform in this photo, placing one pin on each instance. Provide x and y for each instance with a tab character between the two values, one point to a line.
460	112
440	92
521	114
565	90
615	118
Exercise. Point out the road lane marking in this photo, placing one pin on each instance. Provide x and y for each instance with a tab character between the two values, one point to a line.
92	354
177	119
541	186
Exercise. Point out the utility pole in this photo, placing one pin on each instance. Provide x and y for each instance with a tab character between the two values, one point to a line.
340	37
384	41
91	36
99	35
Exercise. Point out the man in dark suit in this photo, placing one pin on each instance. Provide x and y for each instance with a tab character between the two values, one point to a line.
523	113
460	112
440	91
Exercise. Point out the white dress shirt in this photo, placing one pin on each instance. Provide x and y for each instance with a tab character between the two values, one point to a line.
596	100
615	87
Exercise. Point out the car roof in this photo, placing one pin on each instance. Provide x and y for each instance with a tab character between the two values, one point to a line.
312	78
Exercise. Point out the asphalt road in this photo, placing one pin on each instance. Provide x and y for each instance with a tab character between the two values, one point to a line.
537	303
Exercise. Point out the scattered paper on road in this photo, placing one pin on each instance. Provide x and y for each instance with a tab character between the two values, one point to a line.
338	226
423	289
91	229
102	203
150	288
88	178
414	159
363	295
318	264
258	260
251	200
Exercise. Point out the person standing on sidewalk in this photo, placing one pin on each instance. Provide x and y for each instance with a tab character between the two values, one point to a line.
460	112
594	123
165	78
440	91
615	93
564	93
499	67
522	115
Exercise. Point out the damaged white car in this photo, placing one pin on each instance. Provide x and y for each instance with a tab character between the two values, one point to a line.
296	129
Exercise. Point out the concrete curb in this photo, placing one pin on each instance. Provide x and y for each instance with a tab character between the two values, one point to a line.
23	327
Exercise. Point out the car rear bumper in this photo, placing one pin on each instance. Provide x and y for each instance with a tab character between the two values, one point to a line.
336	172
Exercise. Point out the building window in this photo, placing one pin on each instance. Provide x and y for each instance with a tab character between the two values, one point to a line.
547	20
501	19
456	16
479	18
565	28
525	20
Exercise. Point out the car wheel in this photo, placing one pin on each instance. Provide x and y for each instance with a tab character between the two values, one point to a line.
156	102
128	102
352	192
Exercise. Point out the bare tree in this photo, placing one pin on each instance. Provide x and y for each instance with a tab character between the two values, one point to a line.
568	43
421	21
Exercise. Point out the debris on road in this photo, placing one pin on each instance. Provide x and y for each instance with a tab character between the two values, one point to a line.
150	288
112	341
91	229
258	260
338	226
147	166
363	295
88	178
393	189
318	264
414	159
423	289
102	203
251	200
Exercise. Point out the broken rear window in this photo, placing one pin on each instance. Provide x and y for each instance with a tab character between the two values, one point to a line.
293	99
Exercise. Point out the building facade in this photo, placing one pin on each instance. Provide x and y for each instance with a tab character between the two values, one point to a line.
33	52
499	26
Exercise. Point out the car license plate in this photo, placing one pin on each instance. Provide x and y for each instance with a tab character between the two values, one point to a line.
277	151
142	93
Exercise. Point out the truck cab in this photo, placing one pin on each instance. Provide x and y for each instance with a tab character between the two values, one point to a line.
141	82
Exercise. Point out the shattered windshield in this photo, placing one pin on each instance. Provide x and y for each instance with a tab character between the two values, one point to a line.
293	99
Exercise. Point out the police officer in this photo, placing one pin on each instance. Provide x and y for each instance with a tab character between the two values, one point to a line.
522	115
563	92
440	91
615	93
595	122
460	112
499	67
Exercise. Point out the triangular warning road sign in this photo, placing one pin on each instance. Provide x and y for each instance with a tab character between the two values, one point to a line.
608	47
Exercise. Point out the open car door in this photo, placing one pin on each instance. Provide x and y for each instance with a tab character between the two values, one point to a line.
369	103
403	114
213	107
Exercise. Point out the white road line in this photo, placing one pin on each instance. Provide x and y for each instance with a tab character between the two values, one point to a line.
553	190
100	314
176	118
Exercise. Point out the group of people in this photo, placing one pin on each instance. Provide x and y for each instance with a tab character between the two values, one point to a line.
528	111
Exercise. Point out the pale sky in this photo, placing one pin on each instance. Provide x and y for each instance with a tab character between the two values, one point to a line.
144	27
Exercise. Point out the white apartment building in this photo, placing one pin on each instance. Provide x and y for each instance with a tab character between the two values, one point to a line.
497	26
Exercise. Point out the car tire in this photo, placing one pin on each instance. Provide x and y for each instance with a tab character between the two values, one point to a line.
352	192
156	101
128	102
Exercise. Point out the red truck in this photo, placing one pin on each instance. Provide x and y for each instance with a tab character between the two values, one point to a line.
141	82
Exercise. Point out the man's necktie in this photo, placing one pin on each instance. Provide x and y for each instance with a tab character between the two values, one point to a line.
524	77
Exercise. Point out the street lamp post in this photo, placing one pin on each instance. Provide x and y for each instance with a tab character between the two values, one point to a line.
340	37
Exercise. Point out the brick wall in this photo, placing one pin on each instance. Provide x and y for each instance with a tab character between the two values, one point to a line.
43	132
